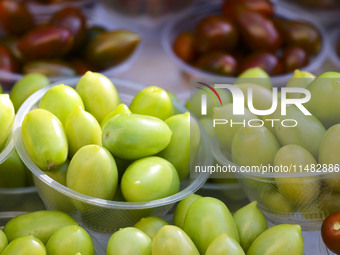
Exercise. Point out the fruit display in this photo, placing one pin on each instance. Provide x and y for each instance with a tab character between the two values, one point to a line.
242	35
46	232
66	45
66	126
296	173
113	153
203	233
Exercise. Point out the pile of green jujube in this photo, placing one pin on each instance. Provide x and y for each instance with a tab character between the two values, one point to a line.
88	140
312	147
45	233
204	225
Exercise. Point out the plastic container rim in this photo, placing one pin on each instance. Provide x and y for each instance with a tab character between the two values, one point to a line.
33	99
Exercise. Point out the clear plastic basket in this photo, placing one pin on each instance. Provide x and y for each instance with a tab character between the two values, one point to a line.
187	23
98	215
278	207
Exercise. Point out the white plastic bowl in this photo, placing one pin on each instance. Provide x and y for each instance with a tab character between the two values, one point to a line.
187	23
99	215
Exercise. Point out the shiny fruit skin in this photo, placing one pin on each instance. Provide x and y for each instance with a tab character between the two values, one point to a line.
61	100
184	47
171	240
153	101
258	31
70	240
26	86
250	223
279	240
45	42
267	61
223	244
120	109
294	58
182	209
330	232
178	150
129	241
206	219
98	93
217	62
93	171
74	20
25	245
8	61
215	33
148	179
82	129
41	224
134	136
15	19
150	225
111	48
44	139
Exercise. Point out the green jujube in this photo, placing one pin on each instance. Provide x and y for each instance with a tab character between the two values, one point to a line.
26	86
150	225
279	240
178	150
61	100
98	93
206	219
171	240
134	136
70	240
120	109
250	223
129	241
44	139
41	224
26	245
93	171
153	101
82	129
223	245
182	209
